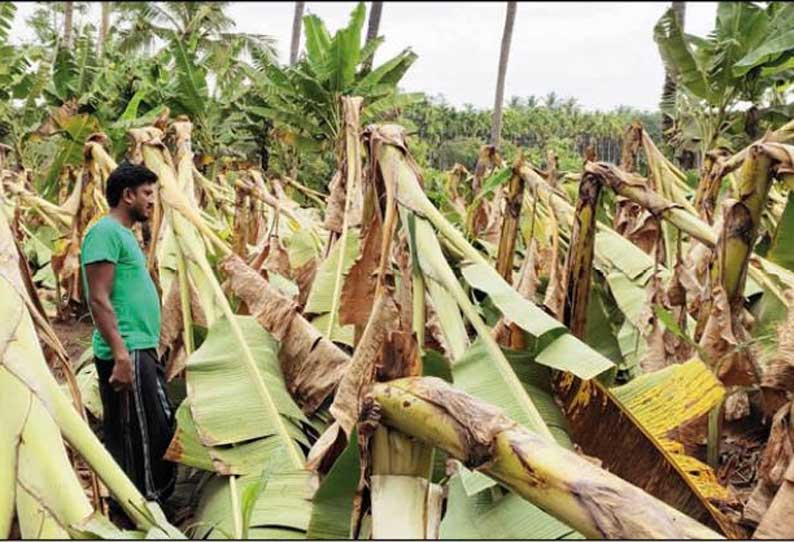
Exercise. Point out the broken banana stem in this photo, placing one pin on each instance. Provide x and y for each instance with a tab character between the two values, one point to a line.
591	500
579	261
784	134
638	191
265	198
741	221
509	233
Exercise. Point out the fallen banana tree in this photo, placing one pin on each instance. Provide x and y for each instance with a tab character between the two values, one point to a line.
410	284
588	403
682	491
595	502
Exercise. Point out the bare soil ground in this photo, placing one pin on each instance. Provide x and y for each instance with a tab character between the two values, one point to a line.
75	336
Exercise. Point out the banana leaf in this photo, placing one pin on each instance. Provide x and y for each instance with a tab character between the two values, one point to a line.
478	272
494	515
219	388
243	458
678	57
88	383
641	415
282	511
332	508
781	250
320	296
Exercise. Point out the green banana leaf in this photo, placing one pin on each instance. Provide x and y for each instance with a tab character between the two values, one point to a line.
332	508
319	300
282	511
781	250
497	515
220	390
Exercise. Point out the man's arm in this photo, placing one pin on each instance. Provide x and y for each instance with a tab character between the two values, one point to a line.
99	276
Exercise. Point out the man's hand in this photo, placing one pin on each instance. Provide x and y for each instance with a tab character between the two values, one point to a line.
121	378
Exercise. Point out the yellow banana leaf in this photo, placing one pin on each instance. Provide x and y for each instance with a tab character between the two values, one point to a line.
641	416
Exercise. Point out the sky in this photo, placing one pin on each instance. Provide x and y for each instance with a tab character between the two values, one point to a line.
601	53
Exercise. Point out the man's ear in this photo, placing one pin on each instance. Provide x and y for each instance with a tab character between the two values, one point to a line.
127	191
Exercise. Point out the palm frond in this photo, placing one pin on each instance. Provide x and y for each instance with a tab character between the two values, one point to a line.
7	12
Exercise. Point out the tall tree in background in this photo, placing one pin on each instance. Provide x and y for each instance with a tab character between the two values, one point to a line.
104	25
372	29
67	24
296	33
507	35
141	23
670	87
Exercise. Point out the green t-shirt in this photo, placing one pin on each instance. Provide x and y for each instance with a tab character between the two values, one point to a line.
134	296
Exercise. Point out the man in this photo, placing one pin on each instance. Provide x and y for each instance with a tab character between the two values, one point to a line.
138	419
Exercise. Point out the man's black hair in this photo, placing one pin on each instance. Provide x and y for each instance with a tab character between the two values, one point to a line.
127	175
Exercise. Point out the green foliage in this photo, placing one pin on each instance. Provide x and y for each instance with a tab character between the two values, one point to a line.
144	23
47	21
127	87
454	135
746	58
7	12
781	250
302	101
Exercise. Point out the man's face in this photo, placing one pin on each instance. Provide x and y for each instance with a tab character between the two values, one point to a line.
141	202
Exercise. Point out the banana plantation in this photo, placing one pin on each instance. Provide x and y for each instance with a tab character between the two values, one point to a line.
363	340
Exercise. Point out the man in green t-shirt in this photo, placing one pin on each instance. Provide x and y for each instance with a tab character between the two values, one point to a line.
138	418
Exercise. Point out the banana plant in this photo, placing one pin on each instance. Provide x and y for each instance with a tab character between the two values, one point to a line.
304	98
744	58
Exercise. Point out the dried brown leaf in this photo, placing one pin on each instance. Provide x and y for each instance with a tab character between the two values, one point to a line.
400	357
555	291
777	380
404	294
304	276
172	327
326	449
721	336
528	281
434	332
775	461
776	523
335	207
358	291
312	365
655	357
277	260
363	366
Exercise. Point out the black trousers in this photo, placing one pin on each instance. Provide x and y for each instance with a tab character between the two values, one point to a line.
138	424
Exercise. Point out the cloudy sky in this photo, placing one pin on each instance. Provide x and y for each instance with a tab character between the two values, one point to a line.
601	53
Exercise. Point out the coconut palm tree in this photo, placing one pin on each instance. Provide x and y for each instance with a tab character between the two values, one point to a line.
507	34
104	26
144	24
296	33
372	29
669	87
49	21
67	24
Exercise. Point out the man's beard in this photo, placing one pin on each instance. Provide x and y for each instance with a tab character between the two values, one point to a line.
137	215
